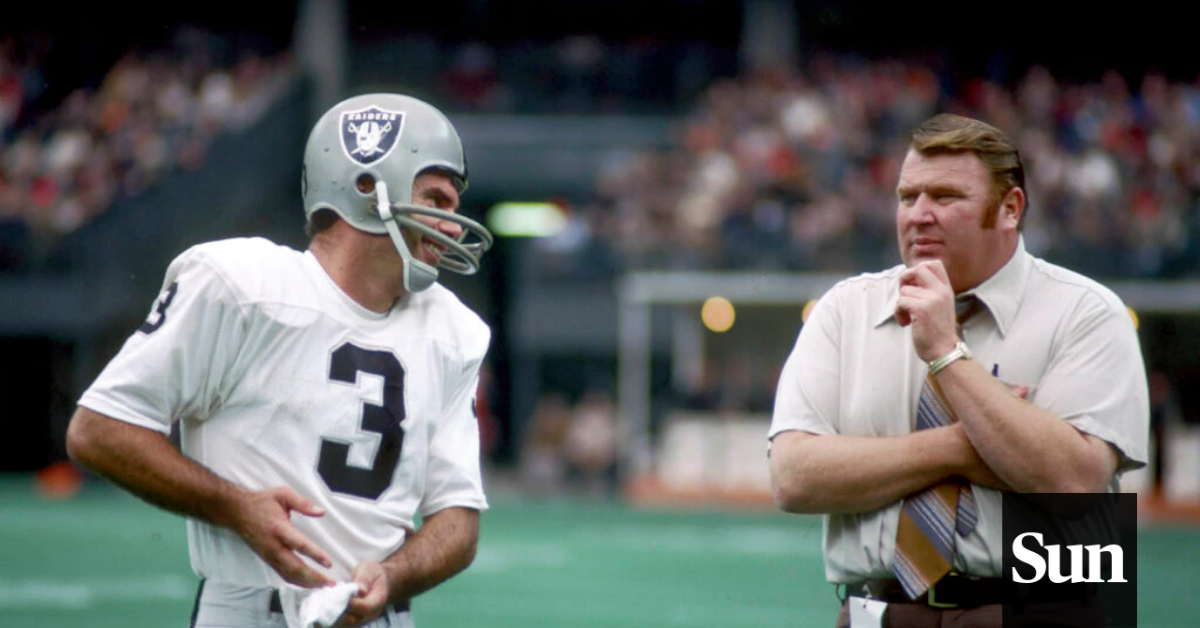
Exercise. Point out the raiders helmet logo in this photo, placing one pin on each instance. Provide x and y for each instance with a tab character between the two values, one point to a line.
368	135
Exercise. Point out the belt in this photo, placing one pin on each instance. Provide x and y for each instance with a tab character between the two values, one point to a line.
957	591
275	606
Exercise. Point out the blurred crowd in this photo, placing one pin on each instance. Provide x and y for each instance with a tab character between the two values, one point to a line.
576	74
152	113
780	168
795	168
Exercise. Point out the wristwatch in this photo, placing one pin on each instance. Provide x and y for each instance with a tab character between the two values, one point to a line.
960	350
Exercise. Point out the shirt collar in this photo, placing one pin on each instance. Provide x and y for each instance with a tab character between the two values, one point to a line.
1001	293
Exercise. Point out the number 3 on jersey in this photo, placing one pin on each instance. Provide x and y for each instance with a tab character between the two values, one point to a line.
333	461
159	315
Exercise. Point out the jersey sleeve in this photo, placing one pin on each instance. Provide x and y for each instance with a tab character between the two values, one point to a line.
173	364
453	476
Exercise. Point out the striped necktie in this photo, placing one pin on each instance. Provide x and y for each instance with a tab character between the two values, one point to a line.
932	519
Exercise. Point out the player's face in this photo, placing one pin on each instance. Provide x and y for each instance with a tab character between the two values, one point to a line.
436	190
946	211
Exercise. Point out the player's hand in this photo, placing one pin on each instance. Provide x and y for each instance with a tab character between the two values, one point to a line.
372	596
263	519
927	303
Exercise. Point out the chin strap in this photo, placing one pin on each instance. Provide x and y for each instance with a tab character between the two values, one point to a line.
417	274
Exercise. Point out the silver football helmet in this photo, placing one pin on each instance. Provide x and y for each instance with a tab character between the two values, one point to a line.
361	160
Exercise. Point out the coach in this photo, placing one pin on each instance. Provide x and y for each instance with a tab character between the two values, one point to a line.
915	396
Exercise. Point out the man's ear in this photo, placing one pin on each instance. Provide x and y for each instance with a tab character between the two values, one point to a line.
1012	208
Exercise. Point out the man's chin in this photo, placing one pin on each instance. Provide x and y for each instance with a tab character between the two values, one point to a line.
911	260
924	253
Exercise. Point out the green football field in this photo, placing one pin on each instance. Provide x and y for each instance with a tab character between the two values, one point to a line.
103	559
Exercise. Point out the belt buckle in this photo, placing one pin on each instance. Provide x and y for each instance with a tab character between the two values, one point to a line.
931	600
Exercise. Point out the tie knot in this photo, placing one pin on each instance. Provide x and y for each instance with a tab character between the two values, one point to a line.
965	306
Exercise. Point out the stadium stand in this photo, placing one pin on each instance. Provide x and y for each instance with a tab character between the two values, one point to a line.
773	167
792	169
152	114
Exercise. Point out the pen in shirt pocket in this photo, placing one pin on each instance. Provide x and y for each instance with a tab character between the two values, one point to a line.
1011	386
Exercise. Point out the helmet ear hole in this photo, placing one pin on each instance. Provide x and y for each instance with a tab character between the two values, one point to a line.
365	183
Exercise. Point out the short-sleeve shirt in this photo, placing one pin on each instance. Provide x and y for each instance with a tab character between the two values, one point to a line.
278	378
853	371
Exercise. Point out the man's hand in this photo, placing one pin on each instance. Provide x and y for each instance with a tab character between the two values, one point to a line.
372	596
262	518
927	303
975	469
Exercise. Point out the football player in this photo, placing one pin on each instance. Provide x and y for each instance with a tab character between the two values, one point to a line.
324	398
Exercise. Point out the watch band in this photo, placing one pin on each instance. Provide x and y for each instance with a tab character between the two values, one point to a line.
960	350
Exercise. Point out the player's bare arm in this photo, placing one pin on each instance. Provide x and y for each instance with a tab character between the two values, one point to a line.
1030	449
443	546
145	463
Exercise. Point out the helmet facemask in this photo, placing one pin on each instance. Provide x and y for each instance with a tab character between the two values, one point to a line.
459	254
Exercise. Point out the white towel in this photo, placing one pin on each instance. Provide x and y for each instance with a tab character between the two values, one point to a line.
315	608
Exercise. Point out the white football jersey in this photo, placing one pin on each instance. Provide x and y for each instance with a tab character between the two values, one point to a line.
277	377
